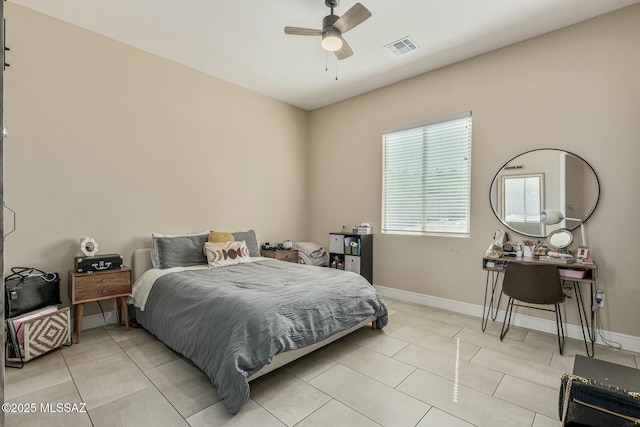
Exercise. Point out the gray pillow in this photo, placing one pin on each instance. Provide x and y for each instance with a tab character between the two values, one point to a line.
155	257
181	251
250	239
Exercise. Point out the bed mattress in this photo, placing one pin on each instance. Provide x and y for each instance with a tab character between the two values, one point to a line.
231	321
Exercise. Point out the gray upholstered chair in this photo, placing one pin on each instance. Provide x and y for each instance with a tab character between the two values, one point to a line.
533	284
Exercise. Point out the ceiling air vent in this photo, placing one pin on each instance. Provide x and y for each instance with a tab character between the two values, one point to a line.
402	46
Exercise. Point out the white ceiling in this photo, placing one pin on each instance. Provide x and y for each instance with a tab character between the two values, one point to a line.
243	41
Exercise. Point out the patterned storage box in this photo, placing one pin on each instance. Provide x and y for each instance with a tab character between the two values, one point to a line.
41	335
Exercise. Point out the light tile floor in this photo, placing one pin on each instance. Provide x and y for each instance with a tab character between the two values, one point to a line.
400	376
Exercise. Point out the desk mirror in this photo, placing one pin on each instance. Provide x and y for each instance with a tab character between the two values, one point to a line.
560	239
541	179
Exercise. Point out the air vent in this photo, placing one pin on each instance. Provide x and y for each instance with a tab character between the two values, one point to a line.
402	46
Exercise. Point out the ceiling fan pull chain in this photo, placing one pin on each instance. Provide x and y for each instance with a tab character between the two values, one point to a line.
336	70
326	60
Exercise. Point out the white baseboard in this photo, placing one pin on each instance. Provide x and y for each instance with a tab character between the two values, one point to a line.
628	342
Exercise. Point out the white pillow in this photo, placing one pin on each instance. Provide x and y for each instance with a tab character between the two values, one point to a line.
226	253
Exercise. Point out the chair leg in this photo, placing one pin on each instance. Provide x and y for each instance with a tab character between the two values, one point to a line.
560	328
507	319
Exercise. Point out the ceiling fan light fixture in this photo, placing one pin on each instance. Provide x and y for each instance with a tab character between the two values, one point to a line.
333	27
332	40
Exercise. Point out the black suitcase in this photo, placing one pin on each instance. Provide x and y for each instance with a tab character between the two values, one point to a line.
98	263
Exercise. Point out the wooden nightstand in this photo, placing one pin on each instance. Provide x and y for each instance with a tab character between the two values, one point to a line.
289	255
96	286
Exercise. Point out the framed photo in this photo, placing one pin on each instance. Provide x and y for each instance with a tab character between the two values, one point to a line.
583	252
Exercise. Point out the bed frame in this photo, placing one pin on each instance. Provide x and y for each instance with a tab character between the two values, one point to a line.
142	263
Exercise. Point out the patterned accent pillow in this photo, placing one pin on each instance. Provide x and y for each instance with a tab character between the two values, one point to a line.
227	253
248	236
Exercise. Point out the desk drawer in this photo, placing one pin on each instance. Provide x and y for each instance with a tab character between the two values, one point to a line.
98	286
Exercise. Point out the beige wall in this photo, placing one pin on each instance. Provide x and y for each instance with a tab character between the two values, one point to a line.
114	143
575	89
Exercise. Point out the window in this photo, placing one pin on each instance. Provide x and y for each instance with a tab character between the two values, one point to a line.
522	198
427	177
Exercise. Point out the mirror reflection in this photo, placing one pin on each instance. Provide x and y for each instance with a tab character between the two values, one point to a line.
542	179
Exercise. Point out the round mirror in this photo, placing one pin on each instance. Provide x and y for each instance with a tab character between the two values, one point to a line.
544	179
560	239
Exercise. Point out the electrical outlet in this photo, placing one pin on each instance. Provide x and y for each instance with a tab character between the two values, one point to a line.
599	298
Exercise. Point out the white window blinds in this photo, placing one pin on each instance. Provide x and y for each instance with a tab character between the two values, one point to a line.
427	177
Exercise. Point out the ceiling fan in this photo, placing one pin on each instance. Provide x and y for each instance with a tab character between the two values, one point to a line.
333	27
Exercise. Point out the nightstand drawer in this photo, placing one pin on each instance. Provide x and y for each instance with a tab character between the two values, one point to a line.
94	286
291	256
285	255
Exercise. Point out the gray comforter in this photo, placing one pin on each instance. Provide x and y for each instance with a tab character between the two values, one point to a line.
231	321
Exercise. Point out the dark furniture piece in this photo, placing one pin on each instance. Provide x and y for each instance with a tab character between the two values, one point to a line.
600	393
533	284
357	258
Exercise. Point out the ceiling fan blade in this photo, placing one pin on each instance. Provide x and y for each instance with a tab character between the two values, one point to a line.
297	31
352	17
345	51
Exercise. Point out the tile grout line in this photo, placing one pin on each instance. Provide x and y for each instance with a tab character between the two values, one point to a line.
150	381
518	405
74	383
497	386
351	345
344	403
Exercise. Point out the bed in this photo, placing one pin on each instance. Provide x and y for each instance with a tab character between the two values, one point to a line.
242	321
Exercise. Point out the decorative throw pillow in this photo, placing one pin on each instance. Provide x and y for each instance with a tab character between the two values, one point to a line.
227	253
220	237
